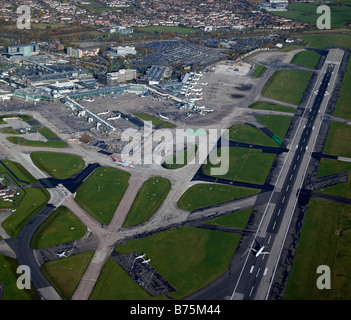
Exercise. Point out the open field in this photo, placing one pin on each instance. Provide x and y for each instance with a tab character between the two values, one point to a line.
101	193
171	29
338	140
236	219
155	121
248	134
320	41
185	155
60	227
33	143
342	108
187	267
287	85
65	274
148	200
58	165
204	195
34	200
276	123
246	165
320	244
306	12
262	105
18	170
115	284
8	279
259	71
308	59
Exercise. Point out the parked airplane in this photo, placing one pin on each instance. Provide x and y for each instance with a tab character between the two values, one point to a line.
146	261
89	100
195	99
163	117
141	256
113	118
123	164
104	112
259	249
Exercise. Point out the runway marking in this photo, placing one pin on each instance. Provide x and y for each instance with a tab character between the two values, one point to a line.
252	267
251	291
275	222
279	212
283	199
258	271
294	166
287	188
298	157
291	175
269	239
265	271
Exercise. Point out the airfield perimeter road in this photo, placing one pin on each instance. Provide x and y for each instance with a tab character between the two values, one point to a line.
256	274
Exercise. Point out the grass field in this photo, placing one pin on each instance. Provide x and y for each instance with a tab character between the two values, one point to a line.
34	143
8	279
261	105
330	166
115	284
207	194
246	165
259	71
195	257
338	140
287	85
19	171
248	134
170	29
306	12
155	121
236	219
34	200
65	274
276	123
187	154
148	200
320	41
342	108
60	227
58	165
320	244
308	59
47	133
100	194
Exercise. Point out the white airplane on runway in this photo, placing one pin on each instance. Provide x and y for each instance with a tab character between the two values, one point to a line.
123	164
259	249
62	254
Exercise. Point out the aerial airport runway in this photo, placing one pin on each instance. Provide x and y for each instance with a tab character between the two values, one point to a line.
256	274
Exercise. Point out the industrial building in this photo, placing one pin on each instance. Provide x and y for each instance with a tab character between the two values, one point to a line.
74	52
114	78
121	51
25	50
156	74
